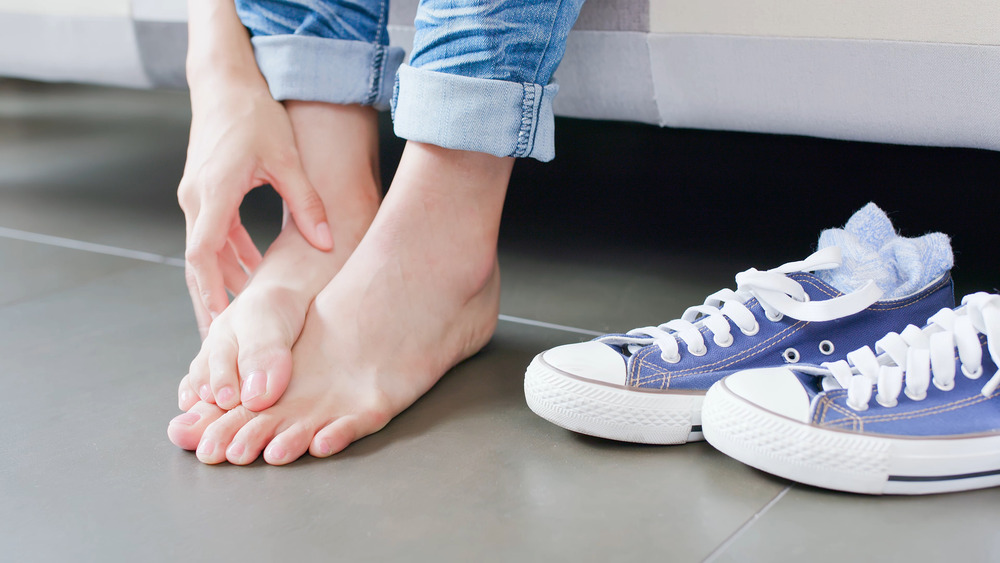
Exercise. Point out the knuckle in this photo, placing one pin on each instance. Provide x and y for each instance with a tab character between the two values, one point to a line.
207	296
286	158
186	194
195	256
312	203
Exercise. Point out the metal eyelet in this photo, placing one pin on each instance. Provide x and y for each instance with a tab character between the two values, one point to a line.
777	317
726	342
700	351
826	347
754	330
791	355
973	374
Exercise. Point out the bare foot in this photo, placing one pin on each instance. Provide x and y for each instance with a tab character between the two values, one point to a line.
420	294
246	356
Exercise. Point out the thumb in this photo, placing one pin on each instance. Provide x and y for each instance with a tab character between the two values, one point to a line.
305	205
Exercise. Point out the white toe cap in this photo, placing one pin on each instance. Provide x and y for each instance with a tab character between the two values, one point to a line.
774	389
590	360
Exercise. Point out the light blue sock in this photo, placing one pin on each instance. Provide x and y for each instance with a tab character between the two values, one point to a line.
873	251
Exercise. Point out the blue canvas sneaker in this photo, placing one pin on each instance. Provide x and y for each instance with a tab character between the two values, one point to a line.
921	417
648	385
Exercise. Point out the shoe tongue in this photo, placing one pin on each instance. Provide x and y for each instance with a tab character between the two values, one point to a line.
872	250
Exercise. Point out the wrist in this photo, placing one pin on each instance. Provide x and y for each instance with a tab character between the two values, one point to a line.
219	48
214	69
223	85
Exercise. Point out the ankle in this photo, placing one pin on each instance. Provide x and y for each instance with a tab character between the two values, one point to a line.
456	175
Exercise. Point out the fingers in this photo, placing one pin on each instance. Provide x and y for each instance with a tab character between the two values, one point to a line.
201	314
233	274
246	250
304	203
204	247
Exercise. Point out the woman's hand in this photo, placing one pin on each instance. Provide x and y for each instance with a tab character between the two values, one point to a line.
240	139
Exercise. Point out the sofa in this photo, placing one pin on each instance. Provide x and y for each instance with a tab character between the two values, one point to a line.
889	71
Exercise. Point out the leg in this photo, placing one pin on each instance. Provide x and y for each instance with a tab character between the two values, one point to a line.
251	340
249	345
421	292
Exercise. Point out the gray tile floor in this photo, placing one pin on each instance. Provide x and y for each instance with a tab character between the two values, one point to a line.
95	331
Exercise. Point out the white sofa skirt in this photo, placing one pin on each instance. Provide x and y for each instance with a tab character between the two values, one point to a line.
872	70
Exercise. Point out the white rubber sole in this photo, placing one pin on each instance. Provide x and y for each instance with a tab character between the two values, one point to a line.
847	461
612	411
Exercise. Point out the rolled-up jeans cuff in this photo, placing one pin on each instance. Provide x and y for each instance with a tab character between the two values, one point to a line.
337	71
497	117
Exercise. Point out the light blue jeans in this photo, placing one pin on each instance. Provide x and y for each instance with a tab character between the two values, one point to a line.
478	78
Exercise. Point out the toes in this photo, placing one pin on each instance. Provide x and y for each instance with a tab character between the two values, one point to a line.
186	395
219	434
199	379
289	445
186	430
266	371
339	434
251	439
334	437
224	379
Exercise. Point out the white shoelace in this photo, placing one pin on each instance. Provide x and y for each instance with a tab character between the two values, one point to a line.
778	295
913	360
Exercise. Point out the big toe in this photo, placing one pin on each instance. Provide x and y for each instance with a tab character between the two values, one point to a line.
185	430
266	371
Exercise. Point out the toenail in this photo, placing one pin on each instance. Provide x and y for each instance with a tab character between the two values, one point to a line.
255	385
324	447
204	392
206	448
276	453
187	419
225	395
236	451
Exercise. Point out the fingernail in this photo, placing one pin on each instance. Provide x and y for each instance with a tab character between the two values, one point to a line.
225	395
236	450
206	448
205	392
187	419
254	386
185	396
324	235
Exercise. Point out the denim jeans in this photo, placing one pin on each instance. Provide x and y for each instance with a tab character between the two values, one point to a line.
478	78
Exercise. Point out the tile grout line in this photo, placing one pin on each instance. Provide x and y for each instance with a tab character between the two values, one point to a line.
746	525
89	247
179	263
543	324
